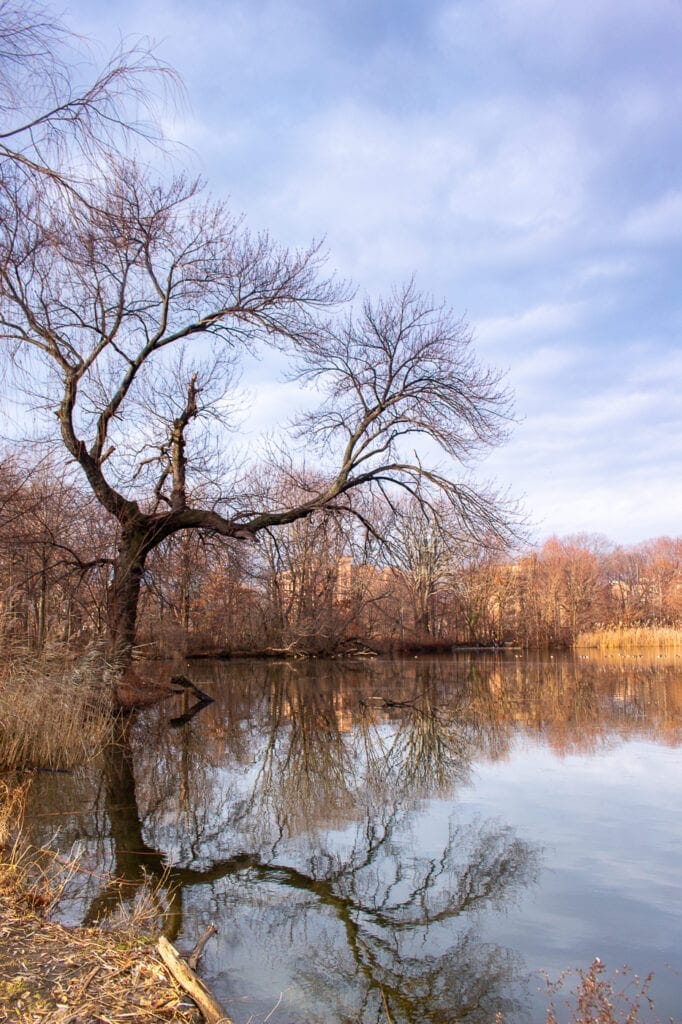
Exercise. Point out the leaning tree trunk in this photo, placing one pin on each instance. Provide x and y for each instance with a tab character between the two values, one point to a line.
123	597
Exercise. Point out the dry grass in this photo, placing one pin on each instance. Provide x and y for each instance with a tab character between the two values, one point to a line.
53	975
630	638
12	802
72	976
52	714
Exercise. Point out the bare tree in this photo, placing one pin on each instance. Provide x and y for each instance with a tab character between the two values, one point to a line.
129	315
53	555
94	296
54	124
425	547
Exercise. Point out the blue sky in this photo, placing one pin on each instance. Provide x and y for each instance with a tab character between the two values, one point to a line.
523	158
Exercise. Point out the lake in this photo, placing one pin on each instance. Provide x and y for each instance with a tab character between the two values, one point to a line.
423	836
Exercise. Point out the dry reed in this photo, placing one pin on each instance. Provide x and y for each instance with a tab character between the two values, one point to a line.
53	714
630	638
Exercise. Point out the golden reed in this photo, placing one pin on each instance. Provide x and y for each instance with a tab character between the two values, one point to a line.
630	638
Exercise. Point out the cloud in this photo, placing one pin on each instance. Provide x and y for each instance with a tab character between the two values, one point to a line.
551	40
488	185
542	321
522	156
657	222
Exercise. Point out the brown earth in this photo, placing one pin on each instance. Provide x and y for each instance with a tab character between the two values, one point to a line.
50	974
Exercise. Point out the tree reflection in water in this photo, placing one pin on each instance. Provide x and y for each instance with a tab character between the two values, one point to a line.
311	791
291	812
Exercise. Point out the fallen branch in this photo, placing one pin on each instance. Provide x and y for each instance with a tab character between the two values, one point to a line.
386	702
210	1007
185	683
195	955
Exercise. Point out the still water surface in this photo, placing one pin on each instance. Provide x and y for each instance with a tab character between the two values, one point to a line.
426	835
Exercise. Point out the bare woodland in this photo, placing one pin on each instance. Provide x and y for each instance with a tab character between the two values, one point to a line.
321	585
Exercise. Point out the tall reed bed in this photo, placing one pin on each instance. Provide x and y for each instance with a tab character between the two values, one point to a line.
630	638
54	714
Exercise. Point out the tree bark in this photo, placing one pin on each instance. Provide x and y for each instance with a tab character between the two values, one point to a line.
124	596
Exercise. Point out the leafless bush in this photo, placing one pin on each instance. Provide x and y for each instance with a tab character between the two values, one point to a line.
596	998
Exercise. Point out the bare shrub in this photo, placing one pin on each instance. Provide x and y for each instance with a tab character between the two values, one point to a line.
596	998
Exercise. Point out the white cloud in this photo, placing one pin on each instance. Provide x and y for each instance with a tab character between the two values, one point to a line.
522	156
489	183
656	222
608	269
540	322
552	36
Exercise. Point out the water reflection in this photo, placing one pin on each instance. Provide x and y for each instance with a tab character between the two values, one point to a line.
311	812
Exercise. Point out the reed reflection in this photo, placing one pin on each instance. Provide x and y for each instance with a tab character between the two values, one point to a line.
309	750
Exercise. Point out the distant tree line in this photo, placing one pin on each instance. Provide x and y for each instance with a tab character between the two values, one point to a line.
320	585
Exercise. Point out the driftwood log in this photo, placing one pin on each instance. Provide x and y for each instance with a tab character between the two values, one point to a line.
184	975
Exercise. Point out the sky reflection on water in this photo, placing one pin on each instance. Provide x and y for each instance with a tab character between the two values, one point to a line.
424	834
611	832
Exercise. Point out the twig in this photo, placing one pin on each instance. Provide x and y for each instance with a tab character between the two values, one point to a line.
388	1016
91	974
266	1019
195	955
